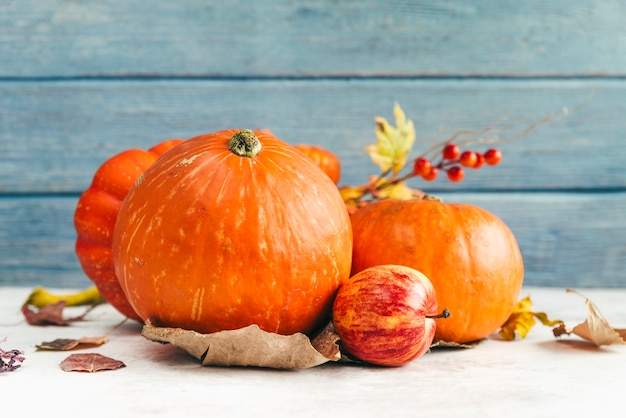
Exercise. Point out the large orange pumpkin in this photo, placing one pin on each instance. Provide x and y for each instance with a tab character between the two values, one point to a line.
469	254
95	215
230	229
325	159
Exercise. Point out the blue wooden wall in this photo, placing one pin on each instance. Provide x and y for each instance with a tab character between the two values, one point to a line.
83	80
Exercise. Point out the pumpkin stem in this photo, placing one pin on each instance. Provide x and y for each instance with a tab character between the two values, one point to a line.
432	198
244	144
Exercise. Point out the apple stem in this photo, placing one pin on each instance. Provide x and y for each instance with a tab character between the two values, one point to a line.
444	314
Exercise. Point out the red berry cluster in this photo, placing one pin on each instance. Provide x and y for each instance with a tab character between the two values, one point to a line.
453	161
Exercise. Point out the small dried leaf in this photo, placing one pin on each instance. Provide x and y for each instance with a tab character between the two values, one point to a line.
10	360
66	344
326	343
448	344
91	362
249	346
522	320
595	328
50	314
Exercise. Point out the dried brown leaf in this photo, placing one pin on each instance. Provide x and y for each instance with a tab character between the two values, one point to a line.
595	328
326	343
249	346
50	314
66	344
449	344
89	362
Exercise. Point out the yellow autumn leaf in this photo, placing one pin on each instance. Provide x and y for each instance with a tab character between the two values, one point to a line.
41	297
394	143
522	320
398	191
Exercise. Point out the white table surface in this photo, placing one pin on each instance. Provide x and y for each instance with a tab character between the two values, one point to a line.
535	377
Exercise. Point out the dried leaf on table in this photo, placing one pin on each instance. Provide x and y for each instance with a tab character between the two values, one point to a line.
50	314
522	320
41	297
10	360
91	362
66	344
595	328
448	344
326	342
249	346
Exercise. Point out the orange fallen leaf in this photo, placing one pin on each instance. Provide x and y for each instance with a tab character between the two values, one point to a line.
595	328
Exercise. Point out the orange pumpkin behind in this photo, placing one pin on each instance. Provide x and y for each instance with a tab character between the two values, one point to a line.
470	255
324	159
95	215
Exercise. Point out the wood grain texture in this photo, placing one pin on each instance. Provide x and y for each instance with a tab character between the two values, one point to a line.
569	239
288	38
81	81
54	135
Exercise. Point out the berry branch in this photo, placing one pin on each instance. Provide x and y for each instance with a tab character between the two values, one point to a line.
451	156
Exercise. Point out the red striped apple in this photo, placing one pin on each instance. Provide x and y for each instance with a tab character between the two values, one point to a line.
385	315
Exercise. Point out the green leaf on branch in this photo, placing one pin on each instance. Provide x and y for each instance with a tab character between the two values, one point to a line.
393	143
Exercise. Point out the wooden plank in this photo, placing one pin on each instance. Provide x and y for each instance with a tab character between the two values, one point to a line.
54	135
287	38
567	240
37	243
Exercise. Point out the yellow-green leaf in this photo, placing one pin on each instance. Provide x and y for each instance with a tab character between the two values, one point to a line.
393	143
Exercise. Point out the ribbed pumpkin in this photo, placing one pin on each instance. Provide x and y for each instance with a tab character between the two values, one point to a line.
96	212
469	254
233	228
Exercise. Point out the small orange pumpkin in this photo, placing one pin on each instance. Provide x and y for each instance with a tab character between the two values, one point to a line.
325	159
470	255
95	215
230	229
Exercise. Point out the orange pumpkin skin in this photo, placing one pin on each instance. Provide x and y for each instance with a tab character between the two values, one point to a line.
470	255
325	159
95	215
212	241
